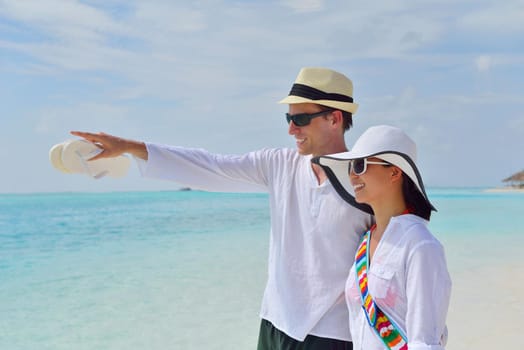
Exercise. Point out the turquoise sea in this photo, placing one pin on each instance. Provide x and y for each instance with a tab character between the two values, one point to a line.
181	269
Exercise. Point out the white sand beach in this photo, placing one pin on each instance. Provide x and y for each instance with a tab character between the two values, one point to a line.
504	190
486	311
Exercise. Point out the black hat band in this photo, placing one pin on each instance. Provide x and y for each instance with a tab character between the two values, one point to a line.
315	94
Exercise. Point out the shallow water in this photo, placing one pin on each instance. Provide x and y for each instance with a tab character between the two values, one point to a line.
178	270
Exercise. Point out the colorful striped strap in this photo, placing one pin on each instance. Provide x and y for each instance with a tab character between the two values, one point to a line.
386	330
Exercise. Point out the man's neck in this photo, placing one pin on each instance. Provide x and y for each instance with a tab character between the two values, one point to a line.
330	150
319	173
337	147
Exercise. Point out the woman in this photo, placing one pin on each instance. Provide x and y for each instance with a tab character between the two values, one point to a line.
398	289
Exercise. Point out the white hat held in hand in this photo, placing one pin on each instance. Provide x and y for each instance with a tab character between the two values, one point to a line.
73	156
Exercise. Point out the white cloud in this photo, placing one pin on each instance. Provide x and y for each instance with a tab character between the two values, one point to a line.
66	20
495	17
165	18
483	63
60	119
304	5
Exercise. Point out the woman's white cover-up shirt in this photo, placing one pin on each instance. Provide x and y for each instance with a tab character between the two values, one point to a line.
409	280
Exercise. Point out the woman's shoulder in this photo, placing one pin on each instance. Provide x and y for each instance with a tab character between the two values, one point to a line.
414	229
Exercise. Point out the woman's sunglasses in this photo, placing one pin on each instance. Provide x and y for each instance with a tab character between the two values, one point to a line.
360	165
305	118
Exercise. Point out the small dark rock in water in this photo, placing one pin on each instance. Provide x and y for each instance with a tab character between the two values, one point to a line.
185	189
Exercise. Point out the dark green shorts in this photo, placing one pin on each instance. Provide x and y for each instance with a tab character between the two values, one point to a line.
271	338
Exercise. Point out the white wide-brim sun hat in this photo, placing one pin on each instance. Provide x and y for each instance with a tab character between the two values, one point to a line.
72	157
385	142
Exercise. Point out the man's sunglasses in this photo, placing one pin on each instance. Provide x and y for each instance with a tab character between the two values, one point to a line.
304	119
360	165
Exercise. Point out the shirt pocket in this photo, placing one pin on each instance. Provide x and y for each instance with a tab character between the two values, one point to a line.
380	282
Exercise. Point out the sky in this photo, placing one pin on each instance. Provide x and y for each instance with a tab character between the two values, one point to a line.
209	74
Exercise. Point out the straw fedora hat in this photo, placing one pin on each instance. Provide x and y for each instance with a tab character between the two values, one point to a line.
324	87
385	142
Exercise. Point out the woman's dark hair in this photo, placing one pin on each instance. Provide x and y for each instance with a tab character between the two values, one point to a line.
415	201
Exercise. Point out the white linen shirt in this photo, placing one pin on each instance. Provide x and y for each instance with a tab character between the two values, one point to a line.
314	233
409	281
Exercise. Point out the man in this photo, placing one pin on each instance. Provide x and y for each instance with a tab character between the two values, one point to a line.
314	232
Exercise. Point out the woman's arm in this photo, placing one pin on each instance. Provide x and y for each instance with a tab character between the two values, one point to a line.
428	289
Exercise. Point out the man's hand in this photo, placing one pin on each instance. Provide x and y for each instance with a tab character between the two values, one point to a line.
113	146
